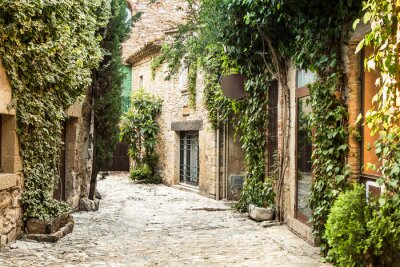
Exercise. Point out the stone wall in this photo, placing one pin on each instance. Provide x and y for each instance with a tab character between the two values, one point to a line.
156	18
79	152
175	109
11	181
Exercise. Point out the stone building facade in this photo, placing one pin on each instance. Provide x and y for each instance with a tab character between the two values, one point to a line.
11	180
190	151
192	154
75	162
220	155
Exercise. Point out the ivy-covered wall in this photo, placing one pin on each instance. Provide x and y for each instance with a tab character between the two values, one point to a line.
49	50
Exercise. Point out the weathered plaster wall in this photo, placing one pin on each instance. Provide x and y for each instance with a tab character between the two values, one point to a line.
175	109
11	181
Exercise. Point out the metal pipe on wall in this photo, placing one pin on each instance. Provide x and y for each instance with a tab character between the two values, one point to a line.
224	161
217	163
227	160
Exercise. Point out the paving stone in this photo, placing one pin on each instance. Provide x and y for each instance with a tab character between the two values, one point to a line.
155	225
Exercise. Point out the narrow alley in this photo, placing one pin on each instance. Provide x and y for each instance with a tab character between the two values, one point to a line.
155	225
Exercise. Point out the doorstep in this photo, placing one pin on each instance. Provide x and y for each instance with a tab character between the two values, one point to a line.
187	188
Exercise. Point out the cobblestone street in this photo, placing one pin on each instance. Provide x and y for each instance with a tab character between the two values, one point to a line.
149	225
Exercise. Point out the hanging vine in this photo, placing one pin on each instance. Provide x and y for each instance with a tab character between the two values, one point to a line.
49	49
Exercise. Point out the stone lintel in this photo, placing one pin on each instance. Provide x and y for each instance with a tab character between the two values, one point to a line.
180	126
8	180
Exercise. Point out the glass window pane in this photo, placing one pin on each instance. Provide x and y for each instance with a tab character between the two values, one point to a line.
304	77
304	150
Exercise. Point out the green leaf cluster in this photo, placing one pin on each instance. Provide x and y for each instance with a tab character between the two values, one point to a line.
260	39
363	232
139	128
49	49
107	86
382	241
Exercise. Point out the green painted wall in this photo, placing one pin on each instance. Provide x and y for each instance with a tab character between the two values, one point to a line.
126	92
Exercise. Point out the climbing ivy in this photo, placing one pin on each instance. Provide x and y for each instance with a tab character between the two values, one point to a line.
263	38
49	49
382	245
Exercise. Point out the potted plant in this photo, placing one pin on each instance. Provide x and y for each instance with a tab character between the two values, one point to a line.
232	86
261	201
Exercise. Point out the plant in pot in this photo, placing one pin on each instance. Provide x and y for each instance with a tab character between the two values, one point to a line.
261	200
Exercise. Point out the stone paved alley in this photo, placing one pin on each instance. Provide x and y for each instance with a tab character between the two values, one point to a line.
153	225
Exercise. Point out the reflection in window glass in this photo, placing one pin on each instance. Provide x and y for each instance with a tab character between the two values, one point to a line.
304	165
304	77
128	14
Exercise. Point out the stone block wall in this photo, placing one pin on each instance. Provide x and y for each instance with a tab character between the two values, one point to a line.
11	181
156	18
175	109
79	152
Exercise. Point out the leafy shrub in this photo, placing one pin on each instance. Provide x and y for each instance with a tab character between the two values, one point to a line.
384	230
140	129
346	228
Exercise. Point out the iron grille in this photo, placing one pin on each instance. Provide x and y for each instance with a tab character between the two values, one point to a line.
189	158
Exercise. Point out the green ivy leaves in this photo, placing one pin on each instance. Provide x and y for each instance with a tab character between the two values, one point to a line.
49	49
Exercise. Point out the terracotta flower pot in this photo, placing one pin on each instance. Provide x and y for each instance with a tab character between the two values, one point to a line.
233	86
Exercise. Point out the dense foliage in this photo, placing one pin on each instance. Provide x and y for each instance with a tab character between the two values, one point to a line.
383	243
106	87
49	49
139	128
346	228
260	39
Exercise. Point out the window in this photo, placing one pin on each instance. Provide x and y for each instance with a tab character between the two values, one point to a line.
140	81
189	158
369	90
183	77
303	148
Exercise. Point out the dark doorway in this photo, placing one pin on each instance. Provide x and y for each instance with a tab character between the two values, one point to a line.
59	191
120	161
272	132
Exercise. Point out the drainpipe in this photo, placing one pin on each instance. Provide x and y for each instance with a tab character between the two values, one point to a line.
227	160
217	163
224	161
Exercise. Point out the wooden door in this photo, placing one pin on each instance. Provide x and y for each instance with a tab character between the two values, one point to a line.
59	191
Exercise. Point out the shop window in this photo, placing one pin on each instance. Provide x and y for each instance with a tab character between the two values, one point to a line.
369	90
189	158
303	147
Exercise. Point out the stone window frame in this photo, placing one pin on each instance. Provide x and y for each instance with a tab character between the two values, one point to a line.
10	164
